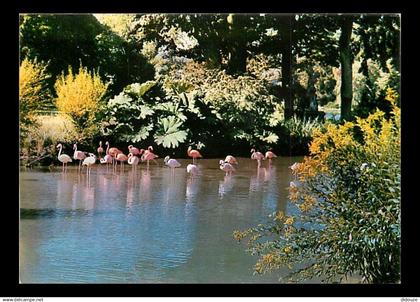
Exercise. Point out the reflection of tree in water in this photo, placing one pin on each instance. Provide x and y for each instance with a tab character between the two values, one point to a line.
112	246
271	197
267	188
64	191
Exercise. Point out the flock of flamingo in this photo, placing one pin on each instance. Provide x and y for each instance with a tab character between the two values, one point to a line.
135	156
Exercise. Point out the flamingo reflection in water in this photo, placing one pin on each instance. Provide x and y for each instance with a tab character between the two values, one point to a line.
191	188
131	187
255	180
226	185
144	186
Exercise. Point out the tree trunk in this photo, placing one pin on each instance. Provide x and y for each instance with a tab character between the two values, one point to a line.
286	64
237	36
346	61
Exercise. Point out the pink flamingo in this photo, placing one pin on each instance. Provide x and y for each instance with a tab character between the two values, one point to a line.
149	155
88	162
192	169
193	153
107	158
133	160
121	157
100	150
64	158
231	160
172	163
270	155
114	152
78	155
257	156
134	150
224	166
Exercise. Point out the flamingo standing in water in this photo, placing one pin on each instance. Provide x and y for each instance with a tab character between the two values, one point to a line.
270	155
133	160
227	167
193	153
78	155
100	150
107	158
231	160
114	152
149	155
64	158
257	156
134	150
121	157
88	162
172	163
192	169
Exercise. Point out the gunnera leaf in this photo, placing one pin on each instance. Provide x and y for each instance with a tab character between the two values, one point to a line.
169	135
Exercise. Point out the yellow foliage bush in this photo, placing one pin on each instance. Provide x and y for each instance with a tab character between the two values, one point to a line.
348	196
381	138
31	89
79	96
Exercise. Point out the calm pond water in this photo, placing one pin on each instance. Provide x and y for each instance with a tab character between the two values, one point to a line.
148	226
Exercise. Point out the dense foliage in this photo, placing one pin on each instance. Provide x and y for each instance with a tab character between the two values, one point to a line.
347	198
192	107
74	40
236	80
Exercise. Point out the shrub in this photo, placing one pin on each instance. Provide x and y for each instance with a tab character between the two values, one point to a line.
32	92
347	215
79	96
373	89
145	113
49	131
296	135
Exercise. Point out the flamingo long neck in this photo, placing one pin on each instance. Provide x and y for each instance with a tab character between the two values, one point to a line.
59	153
189	151
107	149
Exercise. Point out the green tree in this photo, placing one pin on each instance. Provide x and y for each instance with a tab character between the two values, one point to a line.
71	40
379	43
346	62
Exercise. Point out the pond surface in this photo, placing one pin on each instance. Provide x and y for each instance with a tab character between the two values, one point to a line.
146	226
